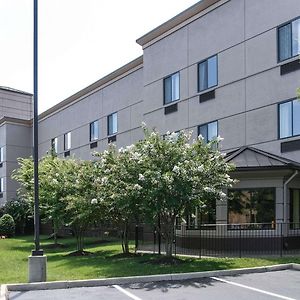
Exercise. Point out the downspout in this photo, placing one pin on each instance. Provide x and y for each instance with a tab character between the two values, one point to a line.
285	195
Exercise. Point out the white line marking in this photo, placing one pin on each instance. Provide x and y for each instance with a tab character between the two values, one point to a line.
126	292
253	289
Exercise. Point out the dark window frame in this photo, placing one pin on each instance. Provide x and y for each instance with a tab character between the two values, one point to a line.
90	127
53	144
292	119
253	189
110	115
198	74
278	46
164	92
206	124
65	135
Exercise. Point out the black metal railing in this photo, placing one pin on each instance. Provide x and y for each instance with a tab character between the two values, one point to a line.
224	240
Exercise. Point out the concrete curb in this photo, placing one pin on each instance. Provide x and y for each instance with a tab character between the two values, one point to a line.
143	279
3	292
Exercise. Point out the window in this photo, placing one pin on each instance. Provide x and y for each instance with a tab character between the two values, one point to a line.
208	131
67	141
171	88
289	40
295	209
289	119
112	124
252	206
208	73
1	154
54	145
94	131
1	185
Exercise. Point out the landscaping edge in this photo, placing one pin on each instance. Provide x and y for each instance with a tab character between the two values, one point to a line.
137	279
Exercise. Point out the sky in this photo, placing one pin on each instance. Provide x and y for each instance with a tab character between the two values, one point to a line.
80	41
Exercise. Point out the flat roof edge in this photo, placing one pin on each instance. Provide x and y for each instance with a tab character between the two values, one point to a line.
8	89
173	22
15	121
97	84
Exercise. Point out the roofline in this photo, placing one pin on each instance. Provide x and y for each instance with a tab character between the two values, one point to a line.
8	89
104	81
15	121
175	21
270	168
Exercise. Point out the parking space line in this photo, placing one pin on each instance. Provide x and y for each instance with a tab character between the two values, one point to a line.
126	292
253	289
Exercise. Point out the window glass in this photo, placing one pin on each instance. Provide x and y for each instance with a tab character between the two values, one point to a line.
212	71
94	131
175	86
295	209
67	140
252	206
1	154
1	185
203	76
112	124
171	88
208	73
203	132
54	145
285	47
285	119
296	37
296	117
212	130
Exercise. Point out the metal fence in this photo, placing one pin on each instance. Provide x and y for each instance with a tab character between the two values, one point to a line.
224	240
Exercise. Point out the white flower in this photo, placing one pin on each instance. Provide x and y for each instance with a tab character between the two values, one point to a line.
104	180
200	168
55	181
176	169
94	201
121	150
219	139
144	125
141	177
200	137
137	187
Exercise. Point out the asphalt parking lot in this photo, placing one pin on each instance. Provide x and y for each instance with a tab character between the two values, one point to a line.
271	285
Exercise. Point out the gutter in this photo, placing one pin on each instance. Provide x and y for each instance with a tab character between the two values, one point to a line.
285	195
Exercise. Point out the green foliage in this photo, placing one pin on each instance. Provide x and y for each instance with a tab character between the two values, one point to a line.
7	225
19	209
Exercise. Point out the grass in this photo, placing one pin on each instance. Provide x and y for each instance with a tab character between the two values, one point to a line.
105	262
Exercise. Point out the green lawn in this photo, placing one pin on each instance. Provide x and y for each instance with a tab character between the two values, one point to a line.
104	262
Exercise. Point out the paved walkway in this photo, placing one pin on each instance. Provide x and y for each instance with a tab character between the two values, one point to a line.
260	286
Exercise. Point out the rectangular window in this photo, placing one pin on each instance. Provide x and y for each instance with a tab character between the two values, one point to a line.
289	40
171	88
208	73
289	119
1	154
54	145
112	124
1	185
252	206
67	141
295	209
208	131
94	131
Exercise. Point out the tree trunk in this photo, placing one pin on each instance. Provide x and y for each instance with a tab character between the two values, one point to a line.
125	241
169	235
55	230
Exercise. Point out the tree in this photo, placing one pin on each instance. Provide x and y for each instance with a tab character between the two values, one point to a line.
82	207
179	175
119	186
7	225
19	209
52	177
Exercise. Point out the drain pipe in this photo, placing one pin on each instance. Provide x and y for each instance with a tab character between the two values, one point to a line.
285	197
